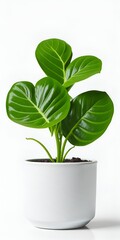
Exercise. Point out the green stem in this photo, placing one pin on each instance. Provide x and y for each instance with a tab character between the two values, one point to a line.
63	149
48	153
67	153
58	138
64	145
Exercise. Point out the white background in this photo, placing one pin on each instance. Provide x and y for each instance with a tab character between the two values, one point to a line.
90	27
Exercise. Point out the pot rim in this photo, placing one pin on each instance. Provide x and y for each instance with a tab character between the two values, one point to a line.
35	161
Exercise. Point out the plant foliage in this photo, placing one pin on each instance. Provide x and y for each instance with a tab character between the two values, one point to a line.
81	120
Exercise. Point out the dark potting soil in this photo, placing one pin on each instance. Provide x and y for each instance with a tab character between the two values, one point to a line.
76	160
72	160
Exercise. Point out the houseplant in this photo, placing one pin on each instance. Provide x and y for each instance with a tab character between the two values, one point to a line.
60	193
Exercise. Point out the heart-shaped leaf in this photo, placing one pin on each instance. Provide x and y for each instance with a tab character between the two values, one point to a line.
53	55
82	68
41	106
88	118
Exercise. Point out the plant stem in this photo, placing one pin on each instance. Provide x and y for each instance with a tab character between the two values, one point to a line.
67	152
64	145
58	138
48	153
63	149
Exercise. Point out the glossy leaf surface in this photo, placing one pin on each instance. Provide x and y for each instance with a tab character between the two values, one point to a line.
88	118
41	106
82	68
53	55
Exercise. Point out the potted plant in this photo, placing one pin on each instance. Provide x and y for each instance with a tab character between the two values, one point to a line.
60	193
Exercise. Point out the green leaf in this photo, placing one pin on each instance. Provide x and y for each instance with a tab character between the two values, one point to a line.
53	55
41	106
82	68
88	118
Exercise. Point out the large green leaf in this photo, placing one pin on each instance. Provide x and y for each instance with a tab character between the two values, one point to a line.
53	55
82	68
41	106
88	118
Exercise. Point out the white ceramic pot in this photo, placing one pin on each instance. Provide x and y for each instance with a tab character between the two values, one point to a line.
60	195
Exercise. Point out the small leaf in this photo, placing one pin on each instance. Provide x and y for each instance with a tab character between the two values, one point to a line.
53	55
41	106
88	118
82	68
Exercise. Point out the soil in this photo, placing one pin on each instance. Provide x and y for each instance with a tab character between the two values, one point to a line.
76	160
66	160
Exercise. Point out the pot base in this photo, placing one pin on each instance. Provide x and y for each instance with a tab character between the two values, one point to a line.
60	226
